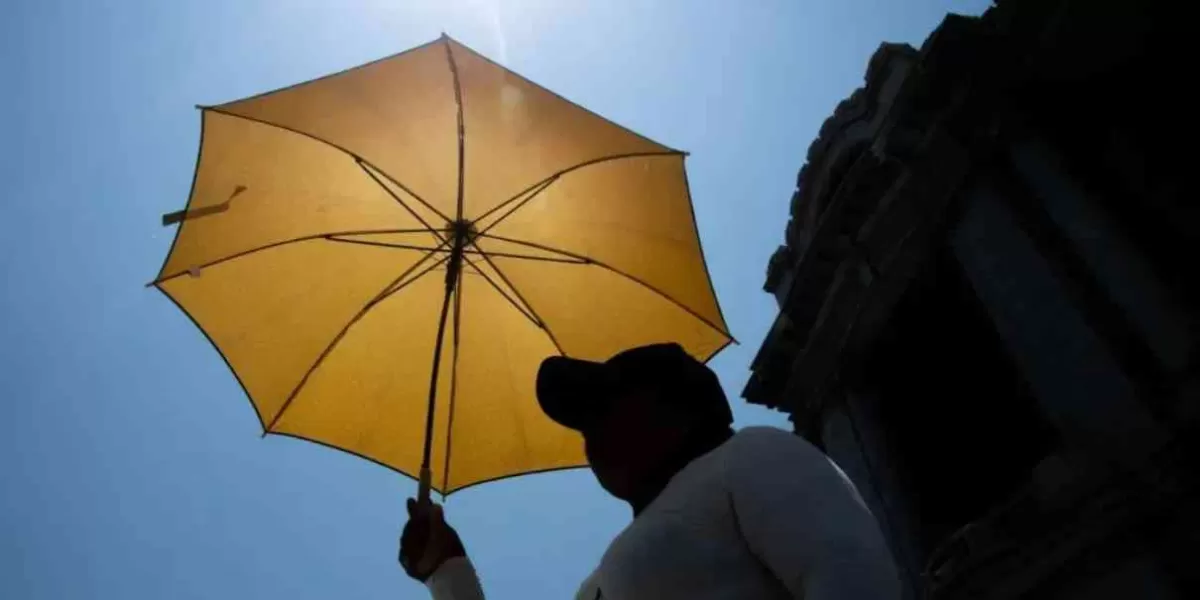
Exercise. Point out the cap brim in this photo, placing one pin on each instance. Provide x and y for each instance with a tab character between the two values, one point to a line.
571	391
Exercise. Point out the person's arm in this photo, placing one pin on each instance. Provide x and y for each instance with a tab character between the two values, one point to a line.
455	579
432	553
805	522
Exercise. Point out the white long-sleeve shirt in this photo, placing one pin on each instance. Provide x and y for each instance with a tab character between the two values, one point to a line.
765	515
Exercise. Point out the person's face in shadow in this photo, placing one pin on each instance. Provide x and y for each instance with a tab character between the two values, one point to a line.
629	445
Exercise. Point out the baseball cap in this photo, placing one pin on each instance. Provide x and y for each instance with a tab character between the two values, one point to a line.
573	392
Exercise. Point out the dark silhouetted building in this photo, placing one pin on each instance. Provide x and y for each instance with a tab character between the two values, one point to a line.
988	294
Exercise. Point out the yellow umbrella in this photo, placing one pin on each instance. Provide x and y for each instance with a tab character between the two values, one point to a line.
384	256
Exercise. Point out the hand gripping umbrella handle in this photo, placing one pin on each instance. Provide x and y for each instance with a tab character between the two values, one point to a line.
424	487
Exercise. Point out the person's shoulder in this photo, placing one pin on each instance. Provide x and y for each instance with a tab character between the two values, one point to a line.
760	456
766	456
761	434
760	441
590	588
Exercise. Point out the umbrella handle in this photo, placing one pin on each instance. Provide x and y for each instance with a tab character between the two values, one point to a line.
424	486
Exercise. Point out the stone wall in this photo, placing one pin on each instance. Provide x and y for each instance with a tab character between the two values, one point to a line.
988	309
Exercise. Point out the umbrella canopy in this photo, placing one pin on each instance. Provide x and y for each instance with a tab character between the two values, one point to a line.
384	256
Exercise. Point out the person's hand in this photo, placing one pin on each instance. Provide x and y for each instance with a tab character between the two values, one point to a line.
427	541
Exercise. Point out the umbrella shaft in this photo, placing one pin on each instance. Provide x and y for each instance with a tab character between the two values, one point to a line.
453	268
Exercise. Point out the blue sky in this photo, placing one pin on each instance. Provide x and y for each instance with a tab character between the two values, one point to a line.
130	460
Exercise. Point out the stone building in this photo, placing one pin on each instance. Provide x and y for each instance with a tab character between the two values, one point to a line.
988	294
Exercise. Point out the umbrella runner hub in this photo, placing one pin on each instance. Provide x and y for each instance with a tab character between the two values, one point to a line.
463	228
462	234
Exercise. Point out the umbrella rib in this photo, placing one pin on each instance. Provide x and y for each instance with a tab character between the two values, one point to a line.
410	210
538	320
391	288
609	267
375	244
400	286
524	310
555	176
568	260
303	238
526	196
310	136
537	246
